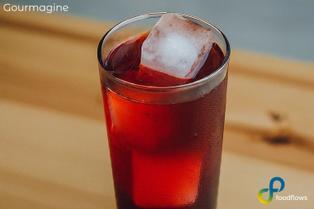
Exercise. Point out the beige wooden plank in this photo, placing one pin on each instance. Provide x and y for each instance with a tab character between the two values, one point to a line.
49	71
60	73
242	178
61	25
45	140
252	102
272	68
53	160
72	85
50	160
254	145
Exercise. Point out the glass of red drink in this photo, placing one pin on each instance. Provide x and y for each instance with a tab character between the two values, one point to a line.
165	134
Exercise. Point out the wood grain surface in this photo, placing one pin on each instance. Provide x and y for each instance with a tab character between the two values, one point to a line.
53	149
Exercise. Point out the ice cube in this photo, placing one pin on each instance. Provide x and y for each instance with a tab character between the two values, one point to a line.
165	180
176	46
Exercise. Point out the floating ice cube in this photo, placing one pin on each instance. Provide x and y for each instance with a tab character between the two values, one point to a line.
176	46
165	180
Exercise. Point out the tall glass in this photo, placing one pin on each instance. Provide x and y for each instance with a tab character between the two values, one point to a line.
165	142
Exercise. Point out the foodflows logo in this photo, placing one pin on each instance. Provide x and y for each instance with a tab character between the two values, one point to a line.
271	190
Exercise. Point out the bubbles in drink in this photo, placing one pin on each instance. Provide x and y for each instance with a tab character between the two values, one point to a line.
176	46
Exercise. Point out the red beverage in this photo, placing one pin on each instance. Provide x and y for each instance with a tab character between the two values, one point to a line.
165	153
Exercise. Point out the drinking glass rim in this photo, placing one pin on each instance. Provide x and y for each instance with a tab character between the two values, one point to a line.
160	88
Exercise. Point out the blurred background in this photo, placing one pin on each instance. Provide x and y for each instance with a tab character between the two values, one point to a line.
283	28
53	146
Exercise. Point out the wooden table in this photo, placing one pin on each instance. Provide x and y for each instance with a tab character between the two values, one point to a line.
53	147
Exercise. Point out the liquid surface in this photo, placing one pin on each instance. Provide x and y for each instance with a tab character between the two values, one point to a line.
124	63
